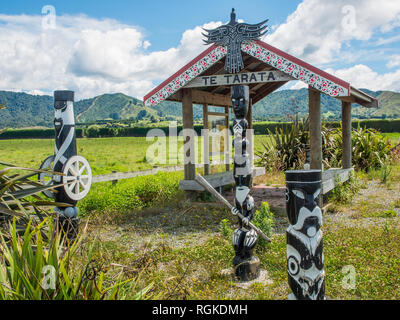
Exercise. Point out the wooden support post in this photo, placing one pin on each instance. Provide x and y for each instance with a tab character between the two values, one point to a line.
206	142
314	99
249	117
227	142
187	115
346	135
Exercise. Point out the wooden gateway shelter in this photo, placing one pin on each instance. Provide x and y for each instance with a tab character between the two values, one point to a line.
205	81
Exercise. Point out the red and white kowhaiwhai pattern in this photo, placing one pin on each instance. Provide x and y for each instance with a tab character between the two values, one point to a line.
296	71
284	64
184	78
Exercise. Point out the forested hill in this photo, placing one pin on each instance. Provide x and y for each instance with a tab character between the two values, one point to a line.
25	110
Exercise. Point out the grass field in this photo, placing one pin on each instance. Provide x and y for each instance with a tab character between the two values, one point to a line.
104	155
141	228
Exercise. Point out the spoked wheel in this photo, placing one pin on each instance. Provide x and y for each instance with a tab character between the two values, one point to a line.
77	179
47	178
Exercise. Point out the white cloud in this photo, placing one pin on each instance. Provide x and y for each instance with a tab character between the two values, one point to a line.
87	55
93	56
318	29
362	76
394	61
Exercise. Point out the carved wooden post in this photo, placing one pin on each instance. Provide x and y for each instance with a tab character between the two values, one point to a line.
247	266
346	134
305	258
77	176
315	128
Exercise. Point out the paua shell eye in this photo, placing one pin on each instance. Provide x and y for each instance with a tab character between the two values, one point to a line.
293	266
298	194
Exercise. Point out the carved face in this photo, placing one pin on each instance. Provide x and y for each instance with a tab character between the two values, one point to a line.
305	261
64	114
240	101
302	197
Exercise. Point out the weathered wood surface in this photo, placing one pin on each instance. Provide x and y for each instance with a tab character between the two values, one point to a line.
239	79
216	180
314	97
329	178
203	97
346	134
127	175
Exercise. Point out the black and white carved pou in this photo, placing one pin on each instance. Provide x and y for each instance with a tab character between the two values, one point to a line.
305	258
232	35
77	175
247	266
65	139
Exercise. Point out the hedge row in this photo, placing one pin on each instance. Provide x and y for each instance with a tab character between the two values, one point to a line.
33	134
386	126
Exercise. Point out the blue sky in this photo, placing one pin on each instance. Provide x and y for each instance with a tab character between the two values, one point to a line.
163	21
131	46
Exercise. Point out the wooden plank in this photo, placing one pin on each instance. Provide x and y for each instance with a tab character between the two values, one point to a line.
239	78
124	175
329	178
346	135
216	180
210	113
203	97
314	98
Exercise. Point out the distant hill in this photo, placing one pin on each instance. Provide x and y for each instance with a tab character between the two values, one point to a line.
25	110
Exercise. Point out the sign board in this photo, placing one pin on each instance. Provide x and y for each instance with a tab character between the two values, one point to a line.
239	78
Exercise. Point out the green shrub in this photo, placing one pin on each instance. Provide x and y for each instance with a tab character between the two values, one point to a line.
370	149
286	146
343	193
265	220
226	230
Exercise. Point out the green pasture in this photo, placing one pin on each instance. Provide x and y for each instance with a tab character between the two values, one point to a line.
121	154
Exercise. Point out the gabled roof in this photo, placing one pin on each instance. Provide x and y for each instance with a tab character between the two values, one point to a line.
258	56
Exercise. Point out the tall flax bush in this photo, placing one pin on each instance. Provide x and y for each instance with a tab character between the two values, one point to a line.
30	246
287	147
32	268
371	150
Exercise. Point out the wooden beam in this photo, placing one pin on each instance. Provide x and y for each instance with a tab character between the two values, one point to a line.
331	177
346	135
266	90
216	180
314	98
203	97
187	115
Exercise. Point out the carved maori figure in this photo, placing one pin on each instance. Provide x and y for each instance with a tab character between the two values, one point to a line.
247	266
232	35
77	174
305	259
